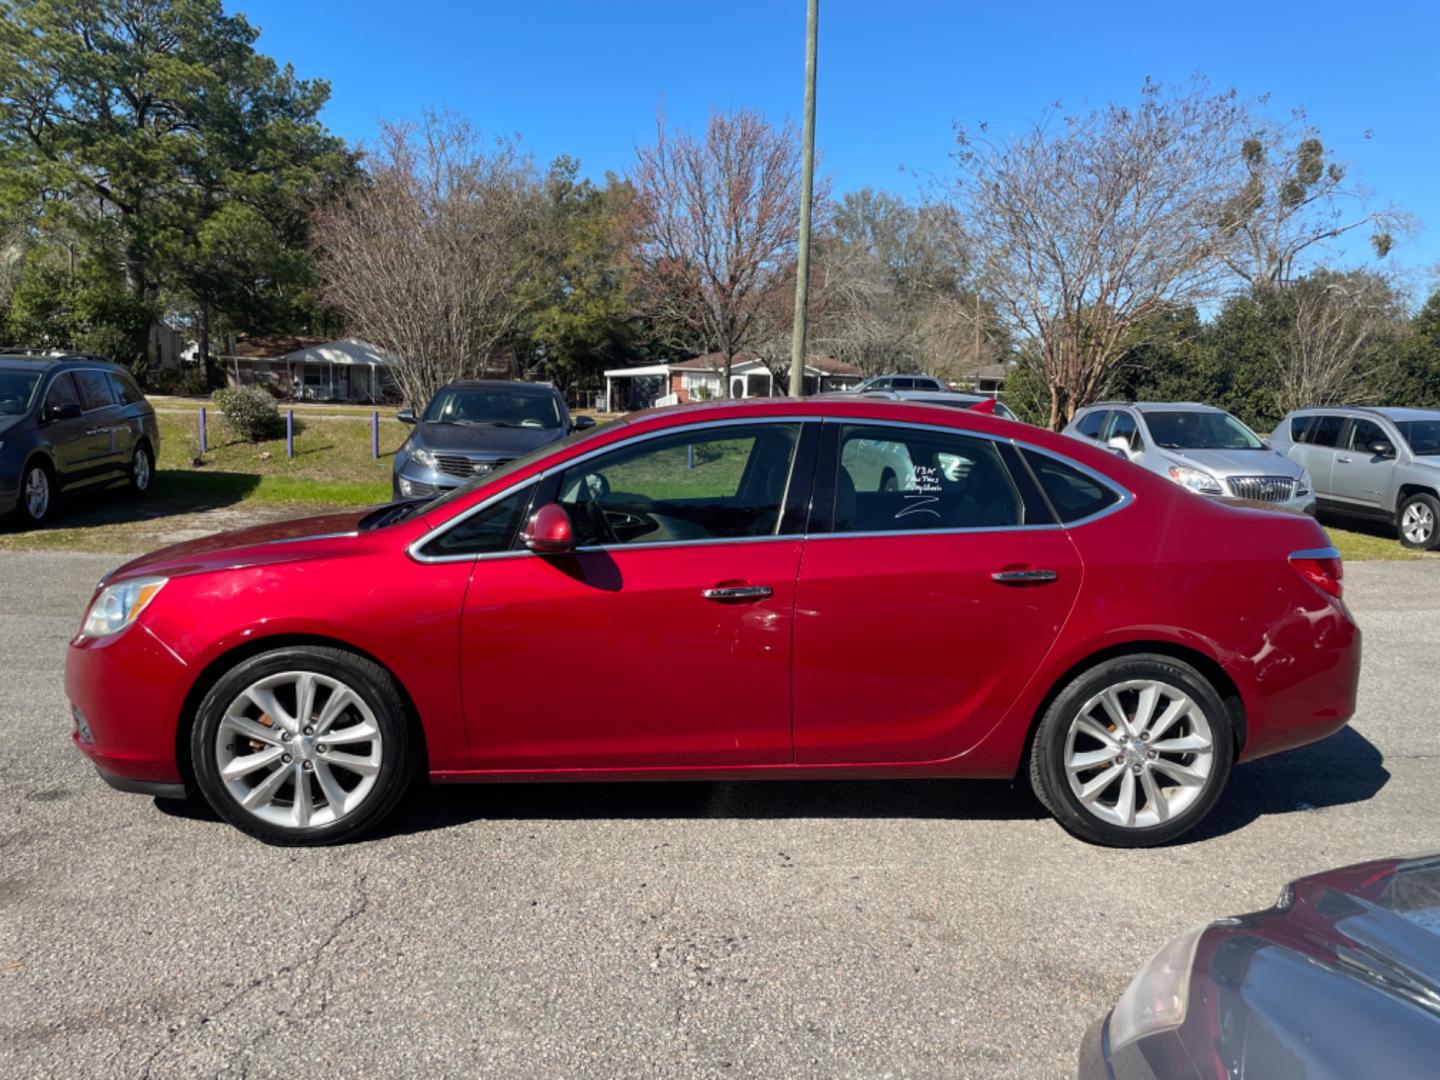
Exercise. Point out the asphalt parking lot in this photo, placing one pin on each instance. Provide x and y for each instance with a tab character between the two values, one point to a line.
768	929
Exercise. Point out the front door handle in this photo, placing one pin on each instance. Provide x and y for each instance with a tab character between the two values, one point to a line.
1024	577
738	592
1342	459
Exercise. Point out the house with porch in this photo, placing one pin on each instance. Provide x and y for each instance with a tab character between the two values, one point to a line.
702	378
312	368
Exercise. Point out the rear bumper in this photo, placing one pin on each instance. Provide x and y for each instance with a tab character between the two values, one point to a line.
127	693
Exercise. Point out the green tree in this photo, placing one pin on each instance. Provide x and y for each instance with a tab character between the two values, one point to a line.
153	134
1415	377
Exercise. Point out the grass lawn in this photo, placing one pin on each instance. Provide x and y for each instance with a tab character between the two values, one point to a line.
1372	543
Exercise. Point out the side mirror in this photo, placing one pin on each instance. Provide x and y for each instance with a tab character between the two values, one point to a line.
549	531
1382	448
582	422
406	416
63	410
1120	444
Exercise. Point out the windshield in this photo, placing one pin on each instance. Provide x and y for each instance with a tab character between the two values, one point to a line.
1186	430
495	407
1422	435
17	390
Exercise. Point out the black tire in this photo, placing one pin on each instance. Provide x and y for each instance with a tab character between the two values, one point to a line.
1050	779
24	512
142	469
1424	534
366	679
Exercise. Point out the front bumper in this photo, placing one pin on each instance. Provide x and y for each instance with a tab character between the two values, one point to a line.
126	693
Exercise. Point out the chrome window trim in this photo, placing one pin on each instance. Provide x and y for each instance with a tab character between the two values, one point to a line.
414	548
1126	495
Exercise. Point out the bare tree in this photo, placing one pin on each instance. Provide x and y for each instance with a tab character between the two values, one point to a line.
716	225
1294	200
1337	325
1084	225
428	256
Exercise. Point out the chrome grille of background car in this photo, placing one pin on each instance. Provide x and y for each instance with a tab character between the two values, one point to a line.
1262	488
464	467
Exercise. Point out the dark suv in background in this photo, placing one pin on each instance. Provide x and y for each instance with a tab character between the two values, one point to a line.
69	421
473	426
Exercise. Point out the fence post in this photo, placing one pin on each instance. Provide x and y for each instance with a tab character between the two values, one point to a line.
375	434
202	429
290	433
690	456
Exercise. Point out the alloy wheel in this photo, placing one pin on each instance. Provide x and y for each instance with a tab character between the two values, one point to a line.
1418	523
298	750
142	469
37	493
1139	753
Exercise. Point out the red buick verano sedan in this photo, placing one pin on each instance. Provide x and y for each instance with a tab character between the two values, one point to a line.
838	587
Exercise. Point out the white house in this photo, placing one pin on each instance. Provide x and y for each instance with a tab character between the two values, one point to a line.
312	368
703	379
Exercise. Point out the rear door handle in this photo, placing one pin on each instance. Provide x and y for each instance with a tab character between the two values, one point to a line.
1024	577
738	592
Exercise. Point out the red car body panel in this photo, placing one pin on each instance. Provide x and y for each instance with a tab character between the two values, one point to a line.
887	655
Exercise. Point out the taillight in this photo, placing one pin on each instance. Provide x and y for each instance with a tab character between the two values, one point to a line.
1321	567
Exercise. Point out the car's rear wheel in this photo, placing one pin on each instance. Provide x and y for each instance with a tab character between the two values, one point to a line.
1420	522
142	469
303	745
37	493
1133	752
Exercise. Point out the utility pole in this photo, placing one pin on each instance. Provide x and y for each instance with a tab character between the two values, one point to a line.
807	186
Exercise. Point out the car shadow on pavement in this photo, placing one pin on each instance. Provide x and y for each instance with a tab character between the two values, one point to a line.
173	492
1346	768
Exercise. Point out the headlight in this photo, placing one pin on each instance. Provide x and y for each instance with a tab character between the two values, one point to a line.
119	605
423	456
1197	480
1158	996
1302	486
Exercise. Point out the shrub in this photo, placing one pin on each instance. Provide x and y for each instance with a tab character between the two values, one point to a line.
250	413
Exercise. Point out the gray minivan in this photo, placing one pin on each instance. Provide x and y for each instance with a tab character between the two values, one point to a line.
1382	464
66	422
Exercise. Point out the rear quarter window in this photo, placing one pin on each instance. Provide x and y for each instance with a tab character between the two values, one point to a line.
1074	494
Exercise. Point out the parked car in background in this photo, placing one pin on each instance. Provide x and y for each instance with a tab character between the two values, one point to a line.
955	399
1341	978
632	603
472	427
902	382
1382	464
1200	447
66	422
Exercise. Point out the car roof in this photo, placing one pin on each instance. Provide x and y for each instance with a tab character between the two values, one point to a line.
923	395
500	384
18	360
1150	406
1389	412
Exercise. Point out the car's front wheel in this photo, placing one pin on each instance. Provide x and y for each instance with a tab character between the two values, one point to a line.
301	746
1133	752
1420	522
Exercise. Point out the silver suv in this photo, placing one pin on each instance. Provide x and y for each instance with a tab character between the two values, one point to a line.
1199	447
1382	464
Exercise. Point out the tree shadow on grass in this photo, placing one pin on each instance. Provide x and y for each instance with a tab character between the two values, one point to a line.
1344	769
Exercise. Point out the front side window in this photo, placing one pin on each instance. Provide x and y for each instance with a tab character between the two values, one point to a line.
903	479
1364	434
1185	429
709	483
1123	426
62	391
1073	493
495	407
486	531
17	389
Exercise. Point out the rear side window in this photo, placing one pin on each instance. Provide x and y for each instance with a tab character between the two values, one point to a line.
1326	430
1092	423
125	390
1074	494
907	479
94	390
485	531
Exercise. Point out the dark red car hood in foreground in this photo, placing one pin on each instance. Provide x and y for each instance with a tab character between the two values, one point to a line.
1341	978
244	547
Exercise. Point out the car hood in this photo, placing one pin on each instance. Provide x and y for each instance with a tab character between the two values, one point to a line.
280	541
1266	462
481	439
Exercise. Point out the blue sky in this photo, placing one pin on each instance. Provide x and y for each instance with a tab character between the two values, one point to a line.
586	78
